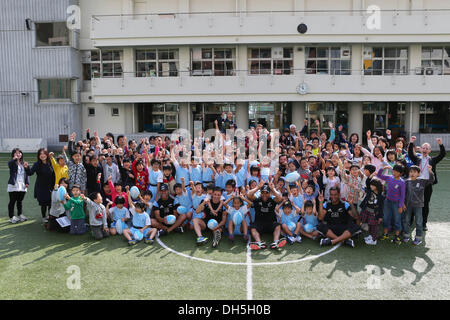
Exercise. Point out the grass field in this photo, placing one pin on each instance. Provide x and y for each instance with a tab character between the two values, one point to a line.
34	262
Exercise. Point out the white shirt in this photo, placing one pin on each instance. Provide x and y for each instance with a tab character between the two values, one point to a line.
19	186
424	173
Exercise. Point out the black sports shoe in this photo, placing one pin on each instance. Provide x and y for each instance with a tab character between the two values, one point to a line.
350	243
162	233
325	242
179	230
216	240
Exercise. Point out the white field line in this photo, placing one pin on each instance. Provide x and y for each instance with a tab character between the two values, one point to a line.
249	274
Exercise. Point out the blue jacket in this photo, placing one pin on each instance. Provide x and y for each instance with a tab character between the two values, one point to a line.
12	164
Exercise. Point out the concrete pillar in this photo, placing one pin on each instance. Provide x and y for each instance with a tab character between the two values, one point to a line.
127	6
299	6
129	65
184	61
415	57
299	60
183	116
357	63
355	118
298	114
241	60
241	117
412	118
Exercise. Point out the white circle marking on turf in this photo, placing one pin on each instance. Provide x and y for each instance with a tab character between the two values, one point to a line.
162	244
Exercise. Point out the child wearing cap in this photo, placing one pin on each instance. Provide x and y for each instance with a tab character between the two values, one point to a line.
290	218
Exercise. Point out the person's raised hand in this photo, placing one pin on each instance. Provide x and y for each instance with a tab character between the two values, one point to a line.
413	139
439	141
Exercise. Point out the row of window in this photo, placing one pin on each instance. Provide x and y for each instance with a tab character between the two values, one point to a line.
275	60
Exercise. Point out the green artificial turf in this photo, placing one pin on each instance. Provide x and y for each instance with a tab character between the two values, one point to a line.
34	262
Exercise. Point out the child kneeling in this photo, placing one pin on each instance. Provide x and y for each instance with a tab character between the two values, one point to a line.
140	225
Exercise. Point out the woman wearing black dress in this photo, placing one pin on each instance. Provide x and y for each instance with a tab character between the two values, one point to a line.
45	181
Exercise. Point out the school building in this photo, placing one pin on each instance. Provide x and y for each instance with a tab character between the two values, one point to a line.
142	67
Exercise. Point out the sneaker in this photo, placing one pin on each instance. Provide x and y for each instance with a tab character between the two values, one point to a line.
298	239
281	243
257	245
179	230
201	240
371	242
263	245
23	218
385	237
369	237
405	240
364	226
325	242
273	245
424	228
350	243
216	239
291	240
14	219
417	242
149	241
131	242
314	238
162	233
44	220
397	240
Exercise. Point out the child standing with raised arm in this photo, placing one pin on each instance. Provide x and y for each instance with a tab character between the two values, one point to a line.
394	203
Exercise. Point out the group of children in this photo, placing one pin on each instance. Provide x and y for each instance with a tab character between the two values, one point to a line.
158	186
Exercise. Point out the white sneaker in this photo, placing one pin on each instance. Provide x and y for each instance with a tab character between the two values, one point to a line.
369	237
298	239
45	220
23	218
371	242
14	219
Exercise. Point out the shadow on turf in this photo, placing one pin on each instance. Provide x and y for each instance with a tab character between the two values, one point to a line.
30	237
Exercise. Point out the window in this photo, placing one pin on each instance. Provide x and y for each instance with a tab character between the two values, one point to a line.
434	117
158	117
436	60
114	112
52	34
328	60
213	61
275	60
51	90
385	60
92	65
91	112
111	63
157	62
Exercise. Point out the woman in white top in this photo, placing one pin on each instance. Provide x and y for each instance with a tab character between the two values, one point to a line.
17	185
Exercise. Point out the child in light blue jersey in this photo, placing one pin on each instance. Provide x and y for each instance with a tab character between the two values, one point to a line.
228	173
207	173
254	175
183	198
195	171
238	207
141	225
295	194
155	178
119	214
241	174
290	216
197	198
309	216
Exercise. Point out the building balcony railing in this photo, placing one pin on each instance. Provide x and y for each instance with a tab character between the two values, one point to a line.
295	87
270	27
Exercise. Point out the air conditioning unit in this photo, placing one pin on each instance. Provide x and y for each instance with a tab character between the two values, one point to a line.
419	71
368	53
429	71
346	53
277	52
115	112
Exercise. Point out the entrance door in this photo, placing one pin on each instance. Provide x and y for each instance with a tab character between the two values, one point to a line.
373	122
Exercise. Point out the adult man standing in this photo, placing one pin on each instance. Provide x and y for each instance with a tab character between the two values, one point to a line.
336	217
422	161
265	217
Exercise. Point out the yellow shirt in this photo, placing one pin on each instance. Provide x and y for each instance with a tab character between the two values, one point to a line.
60	172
